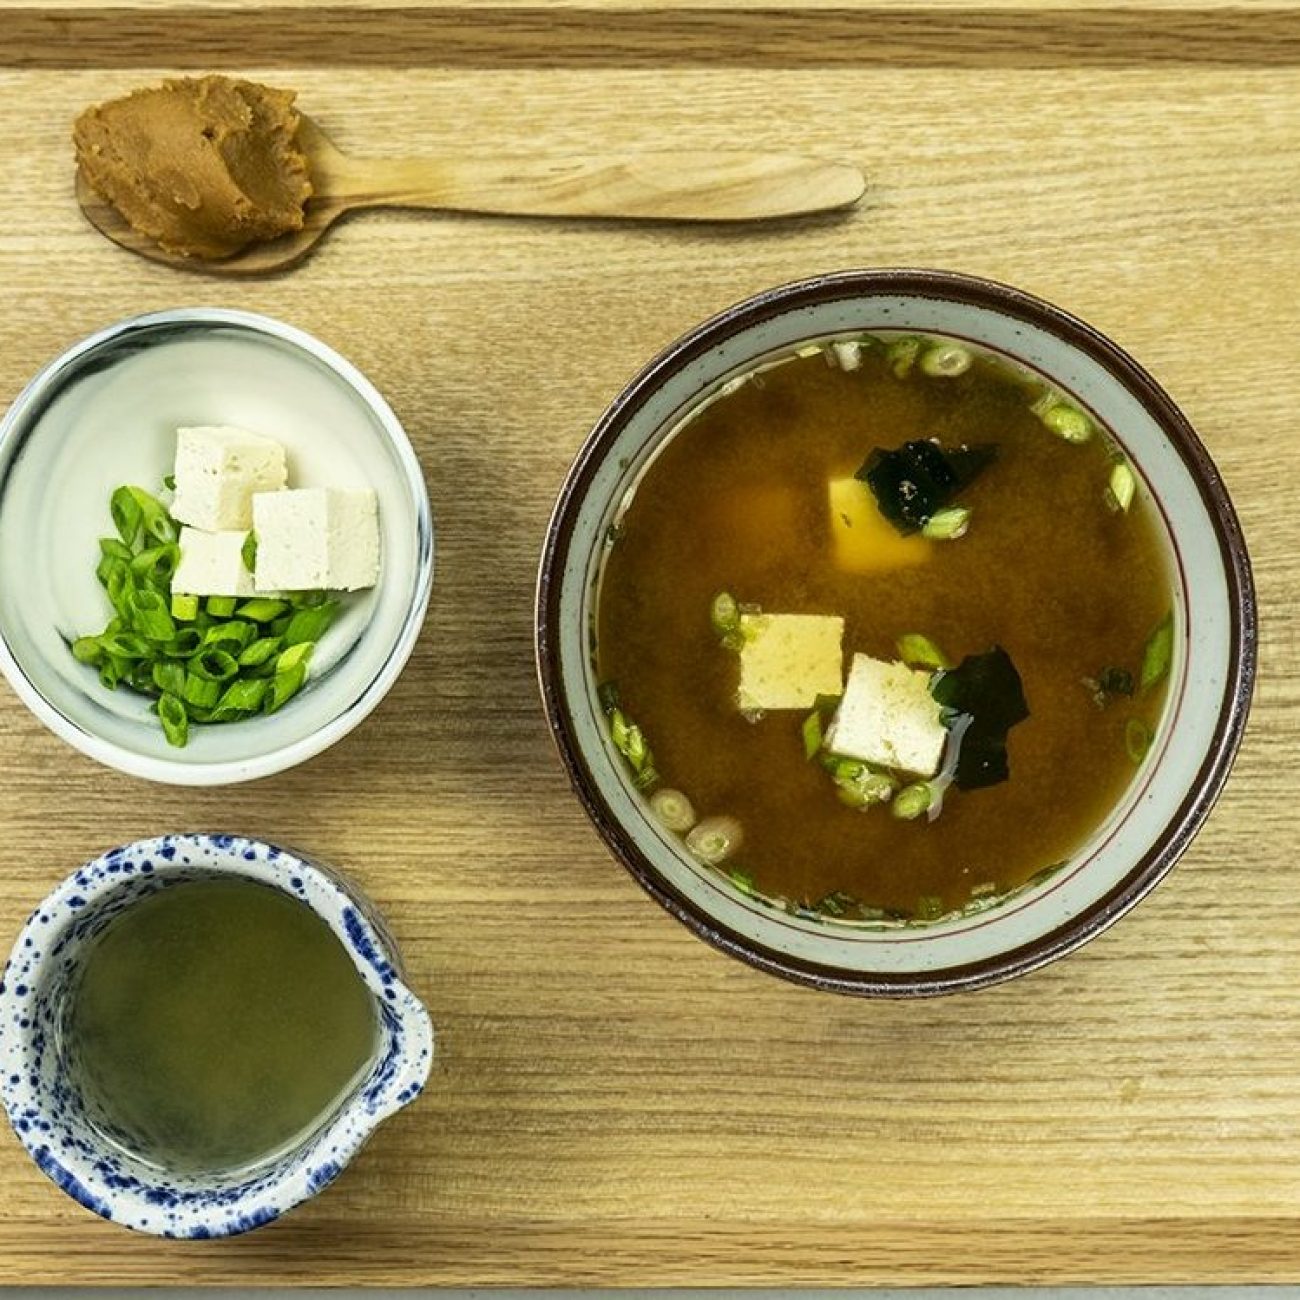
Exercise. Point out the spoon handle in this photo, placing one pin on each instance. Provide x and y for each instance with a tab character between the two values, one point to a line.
667	186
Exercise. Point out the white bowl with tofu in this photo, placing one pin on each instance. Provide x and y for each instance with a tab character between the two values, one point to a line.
882	710
286	473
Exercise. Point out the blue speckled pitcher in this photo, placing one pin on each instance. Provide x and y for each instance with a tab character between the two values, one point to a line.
45	1108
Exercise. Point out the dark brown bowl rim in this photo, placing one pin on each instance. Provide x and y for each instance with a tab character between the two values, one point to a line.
1204	789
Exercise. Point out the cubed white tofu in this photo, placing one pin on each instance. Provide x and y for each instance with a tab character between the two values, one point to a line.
788	660
218	469
888	717
312	539
212	564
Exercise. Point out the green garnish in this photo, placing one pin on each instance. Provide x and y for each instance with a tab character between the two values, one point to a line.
673	810
946	360
947	525
918	651
901	355
206	661
1062	419
911	801
1120	487
812	735
1137	739
1158	653
724	615
248	552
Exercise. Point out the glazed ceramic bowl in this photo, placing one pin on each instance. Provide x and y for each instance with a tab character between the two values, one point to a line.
1211	676
37	1058
105	414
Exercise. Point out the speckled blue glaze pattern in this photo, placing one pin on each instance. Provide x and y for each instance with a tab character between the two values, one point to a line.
38	1089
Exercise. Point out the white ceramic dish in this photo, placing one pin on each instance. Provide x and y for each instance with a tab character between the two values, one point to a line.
1211	677
105	413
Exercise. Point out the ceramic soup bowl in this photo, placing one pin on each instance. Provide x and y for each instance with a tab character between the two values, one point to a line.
37	1060
1211	675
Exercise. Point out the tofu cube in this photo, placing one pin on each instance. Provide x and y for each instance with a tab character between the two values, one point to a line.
788	660
212	564
888	717
218	469
863	540
311	539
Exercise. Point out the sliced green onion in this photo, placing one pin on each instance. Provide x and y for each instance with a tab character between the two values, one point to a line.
1120	488
1157	654
310	624
169	676
248	552
203	692
185	608
724	615
673	810
213	665
185	643
260	651
128	518
284	686
1067	422
812	735
742	880
120	587
715	839
151	617
607	695
175	721
1137	739
901	355
157	523
112	549
140	679
918	651
295	655
156	565
221	606
947	525
169	482
262	609
234	635
241	698
87	650
112	670
125	645
911	801
946	360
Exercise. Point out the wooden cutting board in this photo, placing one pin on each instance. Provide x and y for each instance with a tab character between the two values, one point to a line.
614	1102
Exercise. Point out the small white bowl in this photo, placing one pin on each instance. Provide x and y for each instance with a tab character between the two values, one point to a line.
105	413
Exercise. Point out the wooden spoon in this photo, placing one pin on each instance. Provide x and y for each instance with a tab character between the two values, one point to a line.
670	186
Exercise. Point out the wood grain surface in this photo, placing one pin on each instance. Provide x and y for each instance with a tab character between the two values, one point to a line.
614	1102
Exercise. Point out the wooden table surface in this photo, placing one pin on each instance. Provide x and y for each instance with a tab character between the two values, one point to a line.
615	1102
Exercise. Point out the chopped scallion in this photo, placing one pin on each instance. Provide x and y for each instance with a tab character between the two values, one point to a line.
812	735
714	839
947	525
185	608
1137	739
901	355
946	360
1158	653
1067	422
248	552
918	651
911	801
220	606
673	810
1120	488
175	721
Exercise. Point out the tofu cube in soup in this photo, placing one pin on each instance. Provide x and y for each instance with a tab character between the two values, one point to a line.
862	539
888	717
788	660
218	470
312	539
212	564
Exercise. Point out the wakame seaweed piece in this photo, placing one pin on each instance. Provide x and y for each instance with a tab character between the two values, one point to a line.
916	480
987	689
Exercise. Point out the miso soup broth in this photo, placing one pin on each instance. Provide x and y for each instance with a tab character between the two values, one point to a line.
884	632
